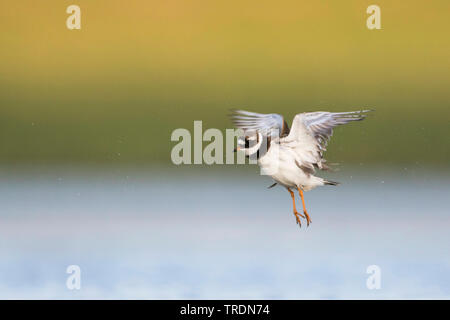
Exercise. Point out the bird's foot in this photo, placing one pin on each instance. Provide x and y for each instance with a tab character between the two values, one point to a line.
297	218
308	218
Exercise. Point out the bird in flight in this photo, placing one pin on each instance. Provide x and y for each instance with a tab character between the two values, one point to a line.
291	156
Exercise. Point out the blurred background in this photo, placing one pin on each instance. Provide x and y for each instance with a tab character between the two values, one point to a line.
86	176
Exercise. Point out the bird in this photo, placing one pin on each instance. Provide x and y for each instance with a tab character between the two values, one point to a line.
291	156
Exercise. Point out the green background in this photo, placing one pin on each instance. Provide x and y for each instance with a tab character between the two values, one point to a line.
113	92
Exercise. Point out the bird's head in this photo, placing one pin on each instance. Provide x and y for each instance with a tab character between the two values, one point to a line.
250	144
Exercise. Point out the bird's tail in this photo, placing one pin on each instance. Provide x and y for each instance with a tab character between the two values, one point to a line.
331	183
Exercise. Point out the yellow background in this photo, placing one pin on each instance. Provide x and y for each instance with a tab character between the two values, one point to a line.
114	91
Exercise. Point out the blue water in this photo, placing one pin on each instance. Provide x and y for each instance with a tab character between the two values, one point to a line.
202	233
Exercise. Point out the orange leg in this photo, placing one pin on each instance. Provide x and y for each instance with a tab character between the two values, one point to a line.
297	215
308	219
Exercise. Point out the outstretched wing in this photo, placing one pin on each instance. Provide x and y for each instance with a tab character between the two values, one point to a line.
252	122
311	131
321	124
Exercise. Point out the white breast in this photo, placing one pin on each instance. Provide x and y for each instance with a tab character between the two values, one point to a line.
280	164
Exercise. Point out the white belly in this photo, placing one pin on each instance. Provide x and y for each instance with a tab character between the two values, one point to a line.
279	163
